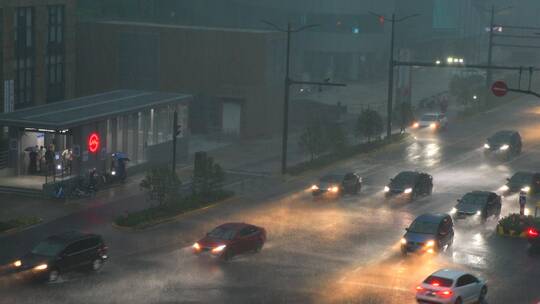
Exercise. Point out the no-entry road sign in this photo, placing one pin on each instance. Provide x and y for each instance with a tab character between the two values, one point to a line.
499	88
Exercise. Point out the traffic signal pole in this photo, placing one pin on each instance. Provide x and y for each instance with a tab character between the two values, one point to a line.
490	47
390	81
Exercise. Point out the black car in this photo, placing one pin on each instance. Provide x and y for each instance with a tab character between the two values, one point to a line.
337	184
428	233
62	253
410	183
527	182
503	144
477	206
533	235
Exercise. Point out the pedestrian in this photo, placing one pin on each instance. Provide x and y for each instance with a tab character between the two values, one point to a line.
49	159
522	202
32	165
41	159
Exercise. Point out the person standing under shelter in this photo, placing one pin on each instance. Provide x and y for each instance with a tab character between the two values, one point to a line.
32	165
522	202
49	159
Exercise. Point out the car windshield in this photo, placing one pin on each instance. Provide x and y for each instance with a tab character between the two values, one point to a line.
404	178
429	117
438	281
48	248
471	199
420	226
222	233
521	178
331	179
500	138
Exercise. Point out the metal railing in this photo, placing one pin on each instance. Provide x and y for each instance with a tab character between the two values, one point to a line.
3	159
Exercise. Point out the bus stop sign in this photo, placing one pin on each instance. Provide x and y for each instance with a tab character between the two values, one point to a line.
499	88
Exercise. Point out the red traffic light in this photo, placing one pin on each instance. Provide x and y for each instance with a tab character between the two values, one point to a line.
381	19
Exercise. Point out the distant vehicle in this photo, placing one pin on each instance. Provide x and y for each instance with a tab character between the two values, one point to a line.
503	144
477	206
337	184
533	235
428	233
447	286
434	121
231	239
527	182
410	183
62	253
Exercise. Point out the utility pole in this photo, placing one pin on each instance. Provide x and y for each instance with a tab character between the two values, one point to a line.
288	83
177	129
390	97
490	47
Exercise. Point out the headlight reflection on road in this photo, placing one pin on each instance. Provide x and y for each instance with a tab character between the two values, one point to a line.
428	154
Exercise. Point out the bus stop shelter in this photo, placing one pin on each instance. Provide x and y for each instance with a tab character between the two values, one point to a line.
83	133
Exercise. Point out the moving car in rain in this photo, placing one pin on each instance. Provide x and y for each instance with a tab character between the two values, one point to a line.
477	206
337	184
428	233
433	121
447	286
527	182
503	145
410	184
61	253
231	239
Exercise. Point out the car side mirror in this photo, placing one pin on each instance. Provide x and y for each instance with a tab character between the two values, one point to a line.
458	200
507	179
407	229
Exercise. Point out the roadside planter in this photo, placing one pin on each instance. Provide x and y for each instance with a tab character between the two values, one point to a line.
515	225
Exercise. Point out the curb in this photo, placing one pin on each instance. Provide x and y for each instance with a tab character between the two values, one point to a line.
177	217
512	233
20	228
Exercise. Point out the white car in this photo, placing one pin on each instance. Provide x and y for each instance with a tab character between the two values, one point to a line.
435	121
448	286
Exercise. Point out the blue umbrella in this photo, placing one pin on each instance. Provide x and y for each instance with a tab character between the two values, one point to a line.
121	155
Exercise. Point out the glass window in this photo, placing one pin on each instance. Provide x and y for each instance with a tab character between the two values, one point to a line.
48	248
222	233
24	56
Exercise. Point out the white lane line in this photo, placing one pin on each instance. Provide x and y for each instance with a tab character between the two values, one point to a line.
378	286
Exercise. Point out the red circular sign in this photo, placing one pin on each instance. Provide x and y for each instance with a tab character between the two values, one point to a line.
93	143
499	88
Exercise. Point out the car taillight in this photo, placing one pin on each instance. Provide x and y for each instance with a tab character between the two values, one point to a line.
531	232
444	293
419	288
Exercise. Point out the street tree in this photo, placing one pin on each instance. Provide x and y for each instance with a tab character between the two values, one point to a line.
161	184
369	124
312	140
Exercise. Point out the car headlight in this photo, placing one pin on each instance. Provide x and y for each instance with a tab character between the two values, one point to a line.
333	189
453	211
407	191
433	125
478	212
17	263
386	189
41	267
487	146
504	188
504	147
403	241
219	249
430	243
526	189
113	173
196	246
416	125
314	187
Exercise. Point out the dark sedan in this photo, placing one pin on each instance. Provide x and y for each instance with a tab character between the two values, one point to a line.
410	184
477	206
337	184
503	144
61	253
231	239
527	182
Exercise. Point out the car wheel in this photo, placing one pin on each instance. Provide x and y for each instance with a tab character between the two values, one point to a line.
97	264
458	301
227	256
483	294
403	252
259	246
54	275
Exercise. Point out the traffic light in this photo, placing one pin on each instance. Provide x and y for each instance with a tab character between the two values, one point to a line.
381	20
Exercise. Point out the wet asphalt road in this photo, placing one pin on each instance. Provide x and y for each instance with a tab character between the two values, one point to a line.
325	251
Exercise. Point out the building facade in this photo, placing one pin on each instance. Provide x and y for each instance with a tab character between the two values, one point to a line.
38	51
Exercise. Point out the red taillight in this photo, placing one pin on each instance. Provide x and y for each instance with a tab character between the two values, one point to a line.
532	232
444	293
419	288
436	284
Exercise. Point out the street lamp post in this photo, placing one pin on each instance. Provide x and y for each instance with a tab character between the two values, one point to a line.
393	21
288	83
490	47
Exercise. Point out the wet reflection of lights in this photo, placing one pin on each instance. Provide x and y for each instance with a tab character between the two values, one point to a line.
427	154
478	239
468	259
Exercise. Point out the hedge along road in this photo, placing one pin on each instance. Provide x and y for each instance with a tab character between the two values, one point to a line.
322	251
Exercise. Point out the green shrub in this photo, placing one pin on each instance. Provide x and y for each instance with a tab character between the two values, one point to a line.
20	222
